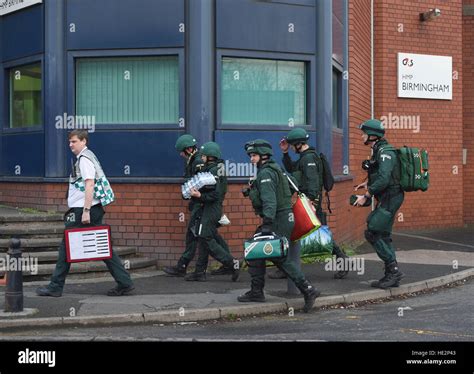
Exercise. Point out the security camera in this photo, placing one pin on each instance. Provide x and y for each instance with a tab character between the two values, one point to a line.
431	14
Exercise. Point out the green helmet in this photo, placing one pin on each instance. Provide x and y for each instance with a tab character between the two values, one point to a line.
259	146
373	127
296	136
211	149
185	141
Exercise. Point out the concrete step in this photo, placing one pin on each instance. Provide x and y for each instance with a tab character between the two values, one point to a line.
31	217
32	243
30	229
42	233
45	270
52	256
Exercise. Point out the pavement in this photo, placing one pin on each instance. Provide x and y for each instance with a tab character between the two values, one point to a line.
430	259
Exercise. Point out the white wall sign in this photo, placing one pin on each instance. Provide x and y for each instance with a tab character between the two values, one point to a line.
8	6
425	76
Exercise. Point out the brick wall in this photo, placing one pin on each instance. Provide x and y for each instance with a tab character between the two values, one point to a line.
351	220
398	29
154	218
42	196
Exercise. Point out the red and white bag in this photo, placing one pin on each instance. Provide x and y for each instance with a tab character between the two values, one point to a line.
306	221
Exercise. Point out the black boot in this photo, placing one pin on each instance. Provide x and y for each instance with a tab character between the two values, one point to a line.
340	254
176	271
196	277
252	296
392	277
223	270
376	284
310	294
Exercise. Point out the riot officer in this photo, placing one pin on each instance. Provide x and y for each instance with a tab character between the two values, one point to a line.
383	184
208	201
186	145
271	199
308	171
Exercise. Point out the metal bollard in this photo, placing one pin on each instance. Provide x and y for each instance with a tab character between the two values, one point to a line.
14	288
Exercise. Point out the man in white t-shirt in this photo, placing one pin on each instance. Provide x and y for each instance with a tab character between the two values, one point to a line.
84	210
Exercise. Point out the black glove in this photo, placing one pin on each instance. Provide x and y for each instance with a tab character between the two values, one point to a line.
267	227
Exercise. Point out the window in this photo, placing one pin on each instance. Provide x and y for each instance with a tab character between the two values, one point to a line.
336	99
128	90
25	96
337	133
263	92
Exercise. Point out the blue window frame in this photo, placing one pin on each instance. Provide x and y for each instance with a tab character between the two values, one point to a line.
135	89
258	90
23	105
336	98
263	92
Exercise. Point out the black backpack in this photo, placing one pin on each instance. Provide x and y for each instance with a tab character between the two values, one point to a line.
328	178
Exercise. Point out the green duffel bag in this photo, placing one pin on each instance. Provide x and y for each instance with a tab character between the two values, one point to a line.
266	247
380	220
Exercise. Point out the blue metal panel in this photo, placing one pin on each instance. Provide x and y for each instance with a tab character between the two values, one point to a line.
200	69
1	39
3	90
22	33
54	88
266	26
109	24
324	81
147	153
23	150
294	2
232	143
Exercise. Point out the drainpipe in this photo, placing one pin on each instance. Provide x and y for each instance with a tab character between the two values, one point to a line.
372	105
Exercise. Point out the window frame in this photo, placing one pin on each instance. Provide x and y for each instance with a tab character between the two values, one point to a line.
73	56
344	121
337	68
7	66
310	66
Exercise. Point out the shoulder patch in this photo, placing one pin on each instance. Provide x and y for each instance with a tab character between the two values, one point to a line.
384	156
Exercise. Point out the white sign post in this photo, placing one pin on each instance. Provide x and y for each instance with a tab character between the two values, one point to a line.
9	6
425	76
